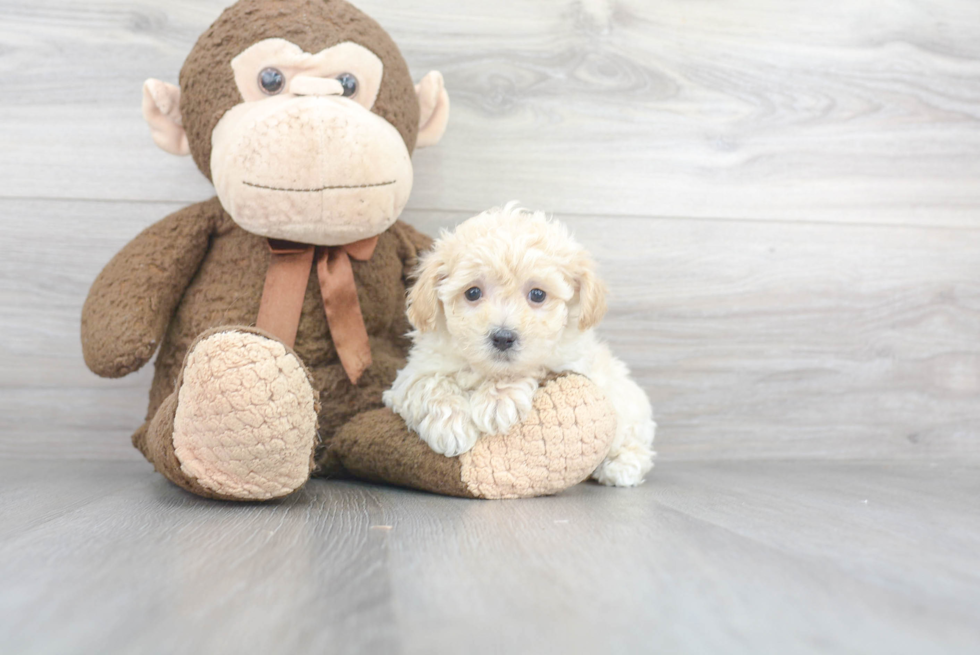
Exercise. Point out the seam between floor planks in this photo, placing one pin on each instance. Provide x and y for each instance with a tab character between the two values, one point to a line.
559	214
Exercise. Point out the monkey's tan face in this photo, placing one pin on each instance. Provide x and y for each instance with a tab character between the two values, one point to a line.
303	158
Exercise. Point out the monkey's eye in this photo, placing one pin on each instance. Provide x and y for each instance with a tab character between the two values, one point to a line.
536	296
473	294
272	81
349	82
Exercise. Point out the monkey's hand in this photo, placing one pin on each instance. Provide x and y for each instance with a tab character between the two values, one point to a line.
133	299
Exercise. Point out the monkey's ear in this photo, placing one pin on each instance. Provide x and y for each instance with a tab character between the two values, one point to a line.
161	109
433	109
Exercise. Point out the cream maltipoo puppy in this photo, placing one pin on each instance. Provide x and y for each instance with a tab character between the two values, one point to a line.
500	303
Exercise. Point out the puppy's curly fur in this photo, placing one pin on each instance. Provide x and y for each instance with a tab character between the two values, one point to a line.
500	303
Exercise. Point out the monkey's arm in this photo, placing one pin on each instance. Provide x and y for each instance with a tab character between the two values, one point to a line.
133	299
412	243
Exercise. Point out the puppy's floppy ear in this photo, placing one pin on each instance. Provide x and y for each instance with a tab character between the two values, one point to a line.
423	299
591	292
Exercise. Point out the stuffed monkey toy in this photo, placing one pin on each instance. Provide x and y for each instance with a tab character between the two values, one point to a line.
278	307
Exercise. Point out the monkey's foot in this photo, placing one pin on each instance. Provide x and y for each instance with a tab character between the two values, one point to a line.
245	421
563	439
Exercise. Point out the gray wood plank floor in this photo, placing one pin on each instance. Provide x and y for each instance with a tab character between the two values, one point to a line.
708	557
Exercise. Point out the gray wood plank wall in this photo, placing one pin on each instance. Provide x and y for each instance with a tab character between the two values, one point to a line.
784	197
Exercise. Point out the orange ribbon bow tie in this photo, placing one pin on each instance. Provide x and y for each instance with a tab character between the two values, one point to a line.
285	288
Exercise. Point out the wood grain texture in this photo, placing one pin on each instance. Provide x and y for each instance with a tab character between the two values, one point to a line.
753	339
785	201
743	557
864	111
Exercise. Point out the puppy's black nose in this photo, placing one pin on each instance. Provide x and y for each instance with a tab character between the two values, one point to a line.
503	339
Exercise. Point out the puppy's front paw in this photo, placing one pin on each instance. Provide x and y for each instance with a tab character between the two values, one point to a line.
498	406
448	428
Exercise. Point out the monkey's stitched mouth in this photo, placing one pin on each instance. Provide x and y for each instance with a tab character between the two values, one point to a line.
323	188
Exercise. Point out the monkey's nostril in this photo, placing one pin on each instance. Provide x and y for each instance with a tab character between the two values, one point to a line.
503	339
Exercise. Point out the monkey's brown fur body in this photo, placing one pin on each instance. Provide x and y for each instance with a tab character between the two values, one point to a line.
192	285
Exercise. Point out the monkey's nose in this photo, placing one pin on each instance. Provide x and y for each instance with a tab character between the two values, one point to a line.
308	85
503	339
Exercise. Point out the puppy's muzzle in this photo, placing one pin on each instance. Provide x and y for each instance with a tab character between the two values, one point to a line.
503	340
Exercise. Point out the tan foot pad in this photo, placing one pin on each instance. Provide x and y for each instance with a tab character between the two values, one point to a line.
245	425
563	439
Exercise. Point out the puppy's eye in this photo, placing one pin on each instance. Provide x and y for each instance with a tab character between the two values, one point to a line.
272	81
349	82
536	296
473	294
